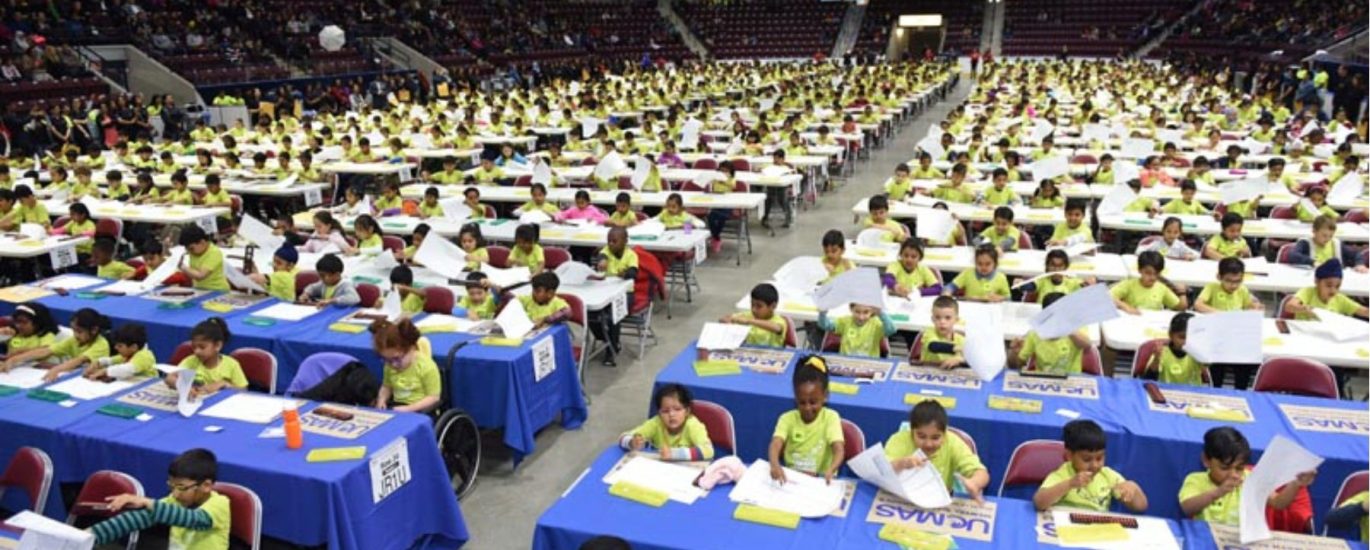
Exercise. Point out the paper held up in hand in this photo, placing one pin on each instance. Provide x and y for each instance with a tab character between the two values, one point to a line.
799	276
922	487
722	336
857	286
1087	306
513	320
984	346
1138	148
1282	461
254	231
1116	199
542	173
1225	337
801	494
1243	190
1050	167
574	273
442	257
934	224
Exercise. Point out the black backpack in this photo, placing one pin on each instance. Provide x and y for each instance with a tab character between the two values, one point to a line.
353	384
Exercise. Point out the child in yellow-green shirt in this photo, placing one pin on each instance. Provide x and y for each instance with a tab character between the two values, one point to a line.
1003	235
87	343
1324	294
479	301
527	252
1148	290
213	370
901	185
768	329
32	328
943	346
1083	481
411	381
280	283
1170	363
430	208
544	307
1186	205
908	276
879	218
199	517
674	433
863	333
809	438
834	246
1229	243
1230	292
926	441
1074	230
1062	355
204	262
984	282
106	267
131	355
1215	494
402	281
79	225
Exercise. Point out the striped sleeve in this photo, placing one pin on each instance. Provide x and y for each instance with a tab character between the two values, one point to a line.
119	526
166	513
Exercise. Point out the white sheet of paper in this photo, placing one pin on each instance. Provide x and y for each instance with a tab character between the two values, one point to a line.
254	231
857	286
932	147
1094	132
1092	304
441	256
1166	135
799	276
609	166
454	209
722	336
155	278
1225	337
801	494
42	533
934	224
775	171
641	171
1340	328
589	126
186	404
922	487
1253	147
1282	461
534	217
1242	190
506	277
1125	170
287	312
392	306
460	324
676	480
872	238
984	346
32	230
647	228
239	280
250	407
24	378
1050	168
574	273
72	282
1347	188
542	172
1138	148
689	134
1040	130
513	320
80	387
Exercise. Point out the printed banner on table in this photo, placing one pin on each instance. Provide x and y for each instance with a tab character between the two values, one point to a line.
932	376
1179	402
1046	528
1228	537
1321	419
153	396
769	361
1085	387
848	494
362	421
963	518
855	367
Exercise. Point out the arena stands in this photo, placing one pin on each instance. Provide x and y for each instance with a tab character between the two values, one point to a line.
962	20
765	28
1085	28
1244	28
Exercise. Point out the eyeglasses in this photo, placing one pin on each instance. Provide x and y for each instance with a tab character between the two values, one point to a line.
181	488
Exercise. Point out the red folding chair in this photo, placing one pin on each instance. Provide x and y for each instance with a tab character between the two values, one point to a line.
966	438
719	422
304	279
245	509
369	293
1353	485
555	256
98	487
1297	376
499	256
31	470
853	439
1031	462
259	366
437	299
182	351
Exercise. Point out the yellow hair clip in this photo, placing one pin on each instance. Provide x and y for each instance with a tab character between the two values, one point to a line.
817	363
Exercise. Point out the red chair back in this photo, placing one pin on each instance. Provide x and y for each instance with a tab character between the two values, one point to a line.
305	278
499	256
31	470
1143	355
1353	485
109	227
438	299
182	351
577	317
523	181
1283	212
1032	461
245	510
791	337
392	244
966	438
718	421
854	440
1357	215
555	256
369	293
1298	376
99	486
1025	241
916	349
259	366
705	164
1084	159
1285	253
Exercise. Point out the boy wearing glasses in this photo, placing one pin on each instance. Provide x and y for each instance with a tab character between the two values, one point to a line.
198	516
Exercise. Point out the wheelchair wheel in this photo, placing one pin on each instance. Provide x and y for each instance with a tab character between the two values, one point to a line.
459	443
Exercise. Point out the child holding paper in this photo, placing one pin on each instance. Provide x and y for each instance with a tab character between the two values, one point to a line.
1229	243
527	252
411	381
768	329
1103	174
214	371
430	208
106	267
131	356
473	244
479	301
544	307
87	343
203	262
879	218
471	198
1324	294
1274	173
674	432
953	458
200	518
808	438
1002	235
1062	355
402	281
1148	290
943	346
984	282
582	210
1056	262
280	283
1215	494
1172	244
863	333
1074	230
1172	364
908	277
1317	197
331	289
1084	481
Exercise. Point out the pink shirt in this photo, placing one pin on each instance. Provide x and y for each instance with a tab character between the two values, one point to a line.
590	212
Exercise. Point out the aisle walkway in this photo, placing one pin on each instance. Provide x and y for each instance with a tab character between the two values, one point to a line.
506	503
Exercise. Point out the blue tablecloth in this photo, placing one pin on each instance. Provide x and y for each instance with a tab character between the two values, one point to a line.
304	503
1156	449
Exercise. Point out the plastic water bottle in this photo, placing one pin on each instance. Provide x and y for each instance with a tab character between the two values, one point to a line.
689	227
294	436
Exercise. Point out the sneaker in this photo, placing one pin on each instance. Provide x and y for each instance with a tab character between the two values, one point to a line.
715	245
609	361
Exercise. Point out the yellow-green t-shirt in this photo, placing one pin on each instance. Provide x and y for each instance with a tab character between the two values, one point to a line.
538	312
1000	197
977	288
1364	525
1179	207
1228	249
1055	355
954	194
757	336
38	214
212	262
412	384
992	236
808	447
1174	370
920	277
1158	297
615	266
1222	300
434	211
281	285
1098	495
77	229
931	337
413	303
898	189
70	348
1047	287
1225	510
861	340
24	343
954	457
692	435
228	371
1063	232
484	310
1338	304
115	269
676	221
144	363
532	258
214	538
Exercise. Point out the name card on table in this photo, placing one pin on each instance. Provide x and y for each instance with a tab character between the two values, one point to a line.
1321	419
931	376
390	469
1084	387
361	422
963	518
152	396
1228	537
768	361
63	257
1180	401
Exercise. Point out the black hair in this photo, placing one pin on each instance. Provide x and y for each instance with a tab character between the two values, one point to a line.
104	245
999	172
1277	161
365	221
39	315
546	280
526	232
1172	220
878	202
1180	322
1051	298
402	275
1058	254
1226	445
902	167
79	208
1005	213
582	194
421	230
834	238
22	192
89	319
213	329
681	394
1075	204
623	198
914	243
192	234
1083	435
811	369
151	246
6	195
198	465
1188	185
211	179
329	263
988	250
928	412
1231	266
1152	259
766	293
130	334
473	230
430	192
1231	218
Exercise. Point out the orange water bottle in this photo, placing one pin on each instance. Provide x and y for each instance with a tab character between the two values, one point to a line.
294	436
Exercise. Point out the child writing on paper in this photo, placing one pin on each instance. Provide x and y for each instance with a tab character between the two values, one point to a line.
808	438
203	262
199	517
106	267
544	307
1229	243
369	237
1084	481
999	193
1074	230
527	252
402	281
1063	355
479	301
538	202
768	329
864	333
280	283
131	355
623	214
1148	290
430	208
942	346
214	371
1172	364
328	236
582	210
352	203
390	203
331	289
1215	494
1186	205
984	282
1002	235
879	218
674	215
1230	292
674	433
415	241
87	343
1172	244
411	381
1324	294
1057	262
473	244
834	246
953	458
1322	246
908	277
